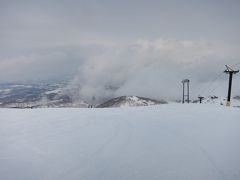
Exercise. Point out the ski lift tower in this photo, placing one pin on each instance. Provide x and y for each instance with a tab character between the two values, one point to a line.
230	71
185	94
200	98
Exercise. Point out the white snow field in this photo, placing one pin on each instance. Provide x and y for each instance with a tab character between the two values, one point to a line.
164	142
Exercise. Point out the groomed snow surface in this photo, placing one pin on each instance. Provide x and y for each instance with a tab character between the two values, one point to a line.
164	142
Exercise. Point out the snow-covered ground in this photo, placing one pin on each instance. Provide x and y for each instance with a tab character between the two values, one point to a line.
235	102
168	142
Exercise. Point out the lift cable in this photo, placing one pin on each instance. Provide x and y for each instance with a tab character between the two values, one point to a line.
210	84
234	65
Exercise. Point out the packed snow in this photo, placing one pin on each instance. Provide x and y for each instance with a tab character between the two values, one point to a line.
169	142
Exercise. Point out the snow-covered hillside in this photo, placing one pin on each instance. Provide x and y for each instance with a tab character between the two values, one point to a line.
171	141
130	101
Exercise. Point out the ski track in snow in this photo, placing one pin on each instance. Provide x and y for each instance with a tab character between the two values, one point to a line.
169	142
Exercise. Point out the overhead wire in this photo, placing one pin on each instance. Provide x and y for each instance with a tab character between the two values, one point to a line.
234	65
218	85
211	83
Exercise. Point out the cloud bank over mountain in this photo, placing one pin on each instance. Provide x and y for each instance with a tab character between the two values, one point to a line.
111	48
154	69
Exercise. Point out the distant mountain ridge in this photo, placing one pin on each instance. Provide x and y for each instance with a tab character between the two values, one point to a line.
36	96
57	95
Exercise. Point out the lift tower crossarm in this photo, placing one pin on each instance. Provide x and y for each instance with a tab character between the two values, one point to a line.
200	98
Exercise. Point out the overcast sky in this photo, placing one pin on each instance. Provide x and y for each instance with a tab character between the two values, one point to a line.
122	45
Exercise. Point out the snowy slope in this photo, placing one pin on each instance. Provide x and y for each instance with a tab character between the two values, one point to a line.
169	142
130	101
235	101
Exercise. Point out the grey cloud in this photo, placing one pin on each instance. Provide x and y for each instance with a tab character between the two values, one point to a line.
153	69
39	66
96	40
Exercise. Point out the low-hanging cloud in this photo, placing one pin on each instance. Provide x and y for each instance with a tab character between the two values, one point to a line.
38	66
96	42
153	69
